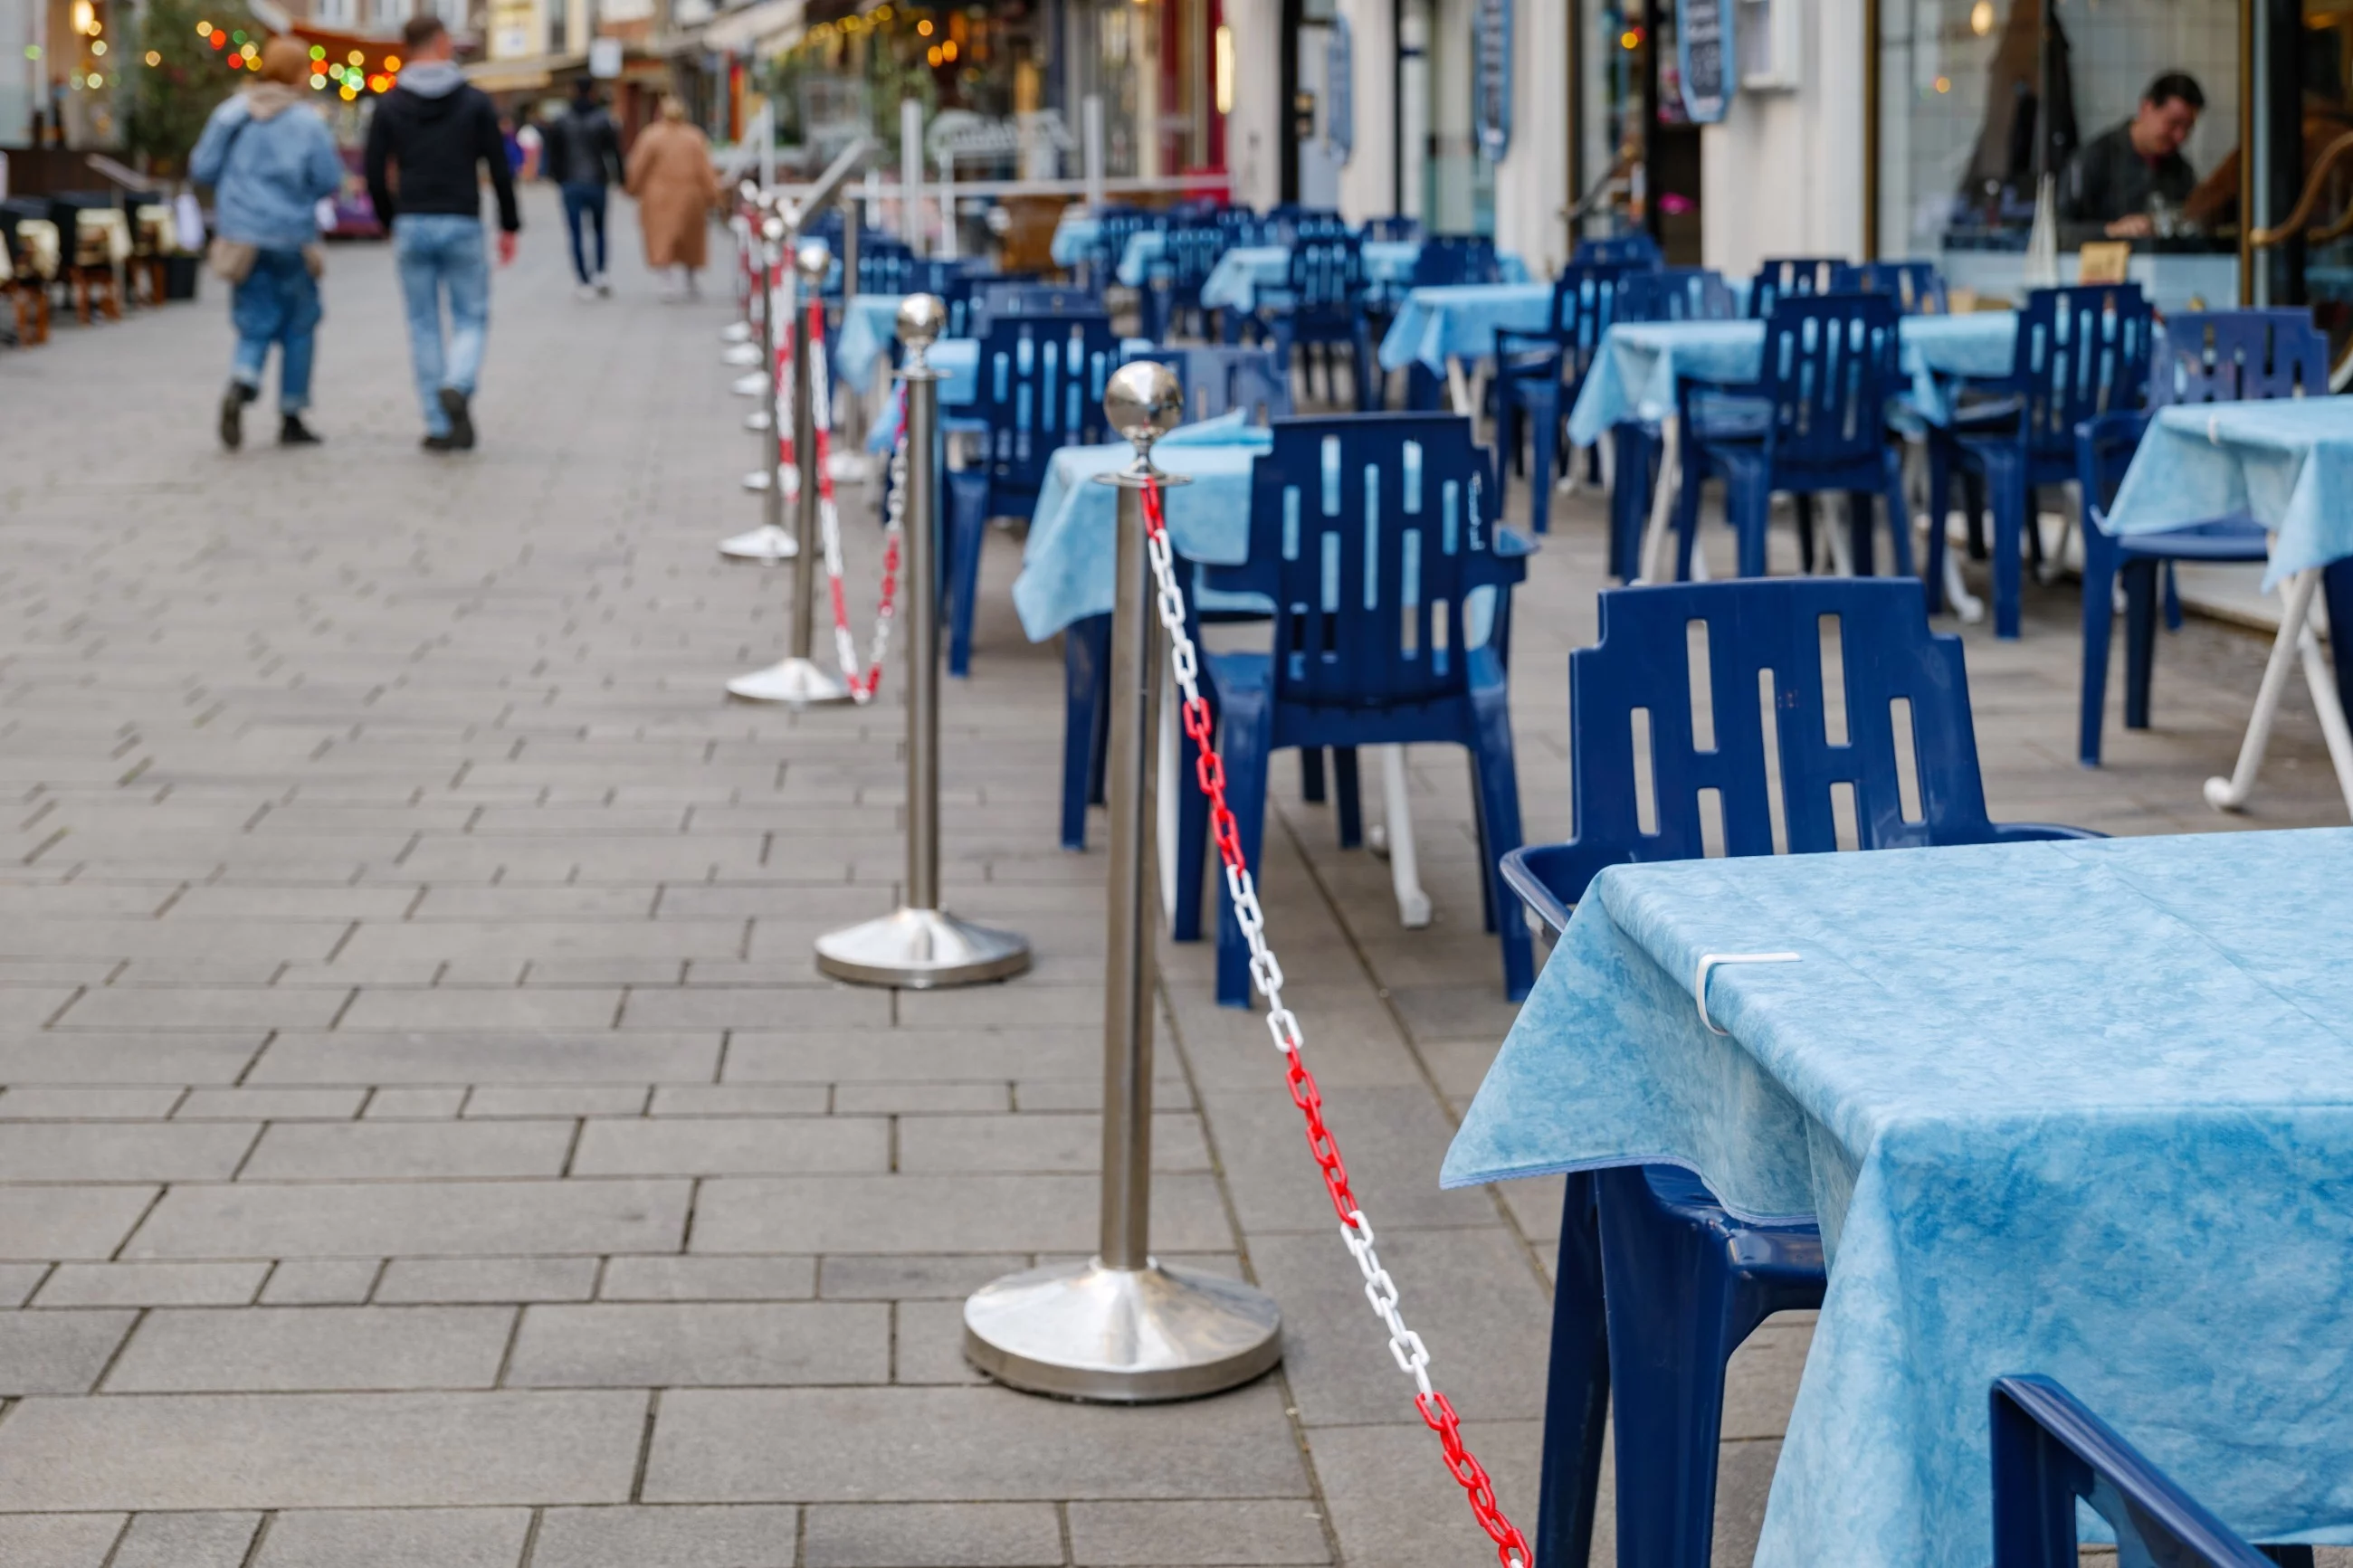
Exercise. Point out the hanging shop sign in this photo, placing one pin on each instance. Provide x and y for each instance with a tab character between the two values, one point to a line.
1703	56
1340	90
1491	75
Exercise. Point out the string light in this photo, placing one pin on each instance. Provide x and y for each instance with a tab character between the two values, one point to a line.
154	58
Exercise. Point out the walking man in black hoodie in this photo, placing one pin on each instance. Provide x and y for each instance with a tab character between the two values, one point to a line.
430	133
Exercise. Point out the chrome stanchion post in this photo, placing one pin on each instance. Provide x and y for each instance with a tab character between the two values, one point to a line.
770	542
919	945
741	336
1121	1328
799	679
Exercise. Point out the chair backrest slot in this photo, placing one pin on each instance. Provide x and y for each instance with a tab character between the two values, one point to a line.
1907	758
1777	806
1831	640
1646	773
1709	806
1703	686
1842	814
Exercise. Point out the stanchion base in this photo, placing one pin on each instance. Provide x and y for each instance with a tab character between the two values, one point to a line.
847	468
799	682
757	480
753	386
1122	1336
757	420
738	332
920	949
762	544
740	355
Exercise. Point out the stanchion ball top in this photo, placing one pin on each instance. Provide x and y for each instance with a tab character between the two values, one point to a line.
772	229
922	318
814	261
1143	402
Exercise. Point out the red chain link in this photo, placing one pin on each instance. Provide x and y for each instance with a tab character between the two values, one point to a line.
1511	1548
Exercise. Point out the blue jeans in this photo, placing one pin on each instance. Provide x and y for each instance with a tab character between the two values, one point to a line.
276	303
583	207
440	253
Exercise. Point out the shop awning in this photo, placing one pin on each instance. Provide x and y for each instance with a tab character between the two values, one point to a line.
762	24
524	74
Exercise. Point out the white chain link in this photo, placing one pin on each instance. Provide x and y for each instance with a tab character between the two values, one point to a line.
1406	1348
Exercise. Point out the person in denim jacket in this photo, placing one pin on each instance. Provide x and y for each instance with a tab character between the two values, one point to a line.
270	161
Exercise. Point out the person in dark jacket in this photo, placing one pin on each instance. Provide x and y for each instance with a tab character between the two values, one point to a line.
2127	179
430	135
584	157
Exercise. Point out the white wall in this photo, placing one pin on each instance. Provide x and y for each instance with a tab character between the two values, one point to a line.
1783	175
1253	140
1532	182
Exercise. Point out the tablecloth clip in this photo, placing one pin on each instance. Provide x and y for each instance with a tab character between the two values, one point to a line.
1708	960
2214	430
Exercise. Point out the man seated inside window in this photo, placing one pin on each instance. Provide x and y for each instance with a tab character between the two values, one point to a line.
2130	181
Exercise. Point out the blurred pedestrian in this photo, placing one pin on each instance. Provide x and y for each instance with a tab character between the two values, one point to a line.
430	135
528	144
270	161
671	176
584	157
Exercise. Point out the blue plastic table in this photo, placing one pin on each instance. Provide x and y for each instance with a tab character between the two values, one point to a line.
1440	328
1244	269
2076	1107
2287	463
868	324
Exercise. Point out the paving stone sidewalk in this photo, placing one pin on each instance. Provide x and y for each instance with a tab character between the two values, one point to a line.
426	1139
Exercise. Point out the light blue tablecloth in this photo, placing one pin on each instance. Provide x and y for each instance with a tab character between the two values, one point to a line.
1066	567
868	324
2082	1109
1459	321
1234	283
2288	463
1641	363
960	359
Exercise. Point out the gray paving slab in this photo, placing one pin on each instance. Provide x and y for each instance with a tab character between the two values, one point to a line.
350	1149
475	1051
153	1283
937	1213
709	1279
312	1348
1132	1534
732	1146
58	1352
41	1223
321	1281
933	1535
395	1538
840	1445
57	1541
187	1540
19	1281
123	1150
320	1450
459	1279
431	1219
707	1344
753	1536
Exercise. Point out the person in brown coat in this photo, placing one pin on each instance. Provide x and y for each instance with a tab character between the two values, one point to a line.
670	174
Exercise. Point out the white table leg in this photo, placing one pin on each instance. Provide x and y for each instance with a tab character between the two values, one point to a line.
1458	387
2231	794
1662	501
1405	861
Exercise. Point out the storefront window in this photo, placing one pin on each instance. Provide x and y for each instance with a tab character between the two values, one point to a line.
1450	181
2130	106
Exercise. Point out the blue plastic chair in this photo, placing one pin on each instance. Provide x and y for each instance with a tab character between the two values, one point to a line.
1446	259
2050	1451
1393	228
1831	362
1187	256
1785	277
996	297
1918	287
2082	352
1657	1284
1660	294
1041	386
1116	227
1539	373
2200	357
1370	535
1636	248
1322	304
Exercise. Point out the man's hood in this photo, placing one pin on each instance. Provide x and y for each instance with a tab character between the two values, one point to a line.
432	78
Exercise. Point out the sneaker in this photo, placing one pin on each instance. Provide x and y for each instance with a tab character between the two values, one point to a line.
461	421
293	432
584	291
603	287
232	414
438	444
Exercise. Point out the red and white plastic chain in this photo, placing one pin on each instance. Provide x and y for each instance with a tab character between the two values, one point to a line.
862	684
1210	772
